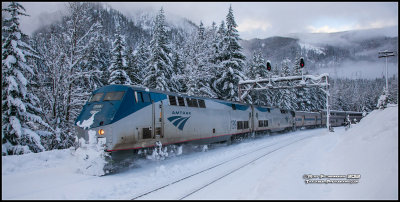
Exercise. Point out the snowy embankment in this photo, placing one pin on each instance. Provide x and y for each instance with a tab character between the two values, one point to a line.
369	148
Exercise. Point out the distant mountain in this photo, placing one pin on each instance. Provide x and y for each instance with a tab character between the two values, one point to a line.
274	49
137	26
320	50
326	49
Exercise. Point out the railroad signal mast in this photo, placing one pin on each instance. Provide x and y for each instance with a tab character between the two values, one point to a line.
275	82
386	54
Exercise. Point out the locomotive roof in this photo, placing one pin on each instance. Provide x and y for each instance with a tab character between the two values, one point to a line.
141	88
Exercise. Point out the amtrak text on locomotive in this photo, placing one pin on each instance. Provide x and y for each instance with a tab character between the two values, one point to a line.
181	113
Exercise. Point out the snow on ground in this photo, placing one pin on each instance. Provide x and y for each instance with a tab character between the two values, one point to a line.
369	148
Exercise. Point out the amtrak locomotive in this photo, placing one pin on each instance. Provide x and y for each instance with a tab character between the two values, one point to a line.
132	118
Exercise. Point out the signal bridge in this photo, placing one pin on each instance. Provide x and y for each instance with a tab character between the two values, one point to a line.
275	82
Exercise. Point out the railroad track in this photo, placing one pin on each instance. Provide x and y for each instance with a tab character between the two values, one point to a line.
214	173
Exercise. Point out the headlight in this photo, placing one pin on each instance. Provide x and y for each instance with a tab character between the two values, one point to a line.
101	132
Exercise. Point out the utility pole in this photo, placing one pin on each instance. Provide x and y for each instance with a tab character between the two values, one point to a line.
386	54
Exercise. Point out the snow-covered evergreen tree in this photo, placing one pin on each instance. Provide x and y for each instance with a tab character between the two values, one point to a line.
232	62
20	106
178	66
258	70
217	46
118	65
131	67
198	71
285	95
296	65
159	73
275	70
141	61
97	62
285	67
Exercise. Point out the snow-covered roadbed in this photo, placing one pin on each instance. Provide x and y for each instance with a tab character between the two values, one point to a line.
369	148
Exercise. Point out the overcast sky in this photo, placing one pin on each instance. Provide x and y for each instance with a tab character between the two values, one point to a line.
254	19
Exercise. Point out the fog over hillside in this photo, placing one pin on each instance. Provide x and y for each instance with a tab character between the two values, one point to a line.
350	54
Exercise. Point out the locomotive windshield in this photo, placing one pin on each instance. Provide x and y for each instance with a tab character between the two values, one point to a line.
96	97
114	96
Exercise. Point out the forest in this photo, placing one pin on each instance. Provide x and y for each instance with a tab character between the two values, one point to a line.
49	76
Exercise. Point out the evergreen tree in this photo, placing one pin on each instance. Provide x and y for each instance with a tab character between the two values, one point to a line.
131	67
141	61
97	62
232	62
296	65
275	70
219	44
118	66
201	34
216	58
258	70
159	73
285	95
20	109
198	69
285	68
178	66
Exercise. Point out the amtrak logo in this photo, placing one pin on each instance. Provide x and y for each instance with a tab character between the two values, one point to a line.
178	121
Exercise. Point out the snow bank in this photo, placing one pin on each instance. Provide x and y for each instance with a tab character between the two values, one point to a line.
34	161
369	148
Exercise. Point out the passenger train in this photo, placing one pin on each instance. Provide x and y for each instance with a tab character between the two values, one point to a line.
132	118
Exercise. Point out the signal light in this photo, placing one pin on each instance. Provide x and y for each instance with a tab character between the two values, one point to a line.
301	62
268	66
101	132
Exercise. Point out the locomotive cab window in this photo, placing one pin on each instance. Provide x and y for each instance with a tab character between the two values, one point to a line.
202	104
96	97
138	97
239	125
146	97
172	100
181	101
191	102
194	103
142	97
114	96
245	124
